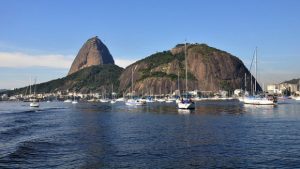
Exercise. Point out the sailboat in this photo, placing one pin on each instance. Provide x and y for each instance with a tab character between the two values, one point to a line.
113	100
104	100
160	99
150	99
132	101
170	99
297	98
74	100
178	99
257	99
34	101
186	103
68	101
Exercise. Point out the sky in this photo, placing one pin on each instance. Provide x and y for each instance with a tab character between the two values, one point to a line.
41	38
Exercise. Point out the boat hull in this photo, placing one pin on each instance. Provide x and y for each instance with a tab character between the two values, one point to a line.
258	101
186	105
296	98
68	101
34	104
132	102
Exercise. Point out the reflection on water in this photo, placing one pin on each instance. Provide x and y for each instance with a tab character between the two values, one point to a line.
97	135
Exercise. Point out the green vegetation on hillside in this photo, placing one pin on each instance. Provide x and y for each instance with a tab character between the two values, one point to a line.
293	81
225	85
162	58
85	80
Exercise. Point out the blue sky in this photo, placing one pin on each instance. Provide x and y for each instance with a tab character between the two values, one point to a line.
41	38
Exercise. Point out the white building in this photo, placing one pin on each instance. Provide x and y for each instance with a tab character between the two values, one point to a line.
280	88
273	89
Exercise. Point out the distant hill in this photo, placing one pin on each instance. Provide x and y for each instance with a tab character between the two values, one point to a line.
293	81
3	90
209	69
91	79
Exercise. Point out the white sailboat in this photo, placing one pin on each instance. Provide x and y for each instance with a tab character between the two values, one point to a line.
178	99
297	98
68	101
132	101
186	103
160	99
121	99
256	99
74	100
170	99
113	100
34	102
150	99
104	100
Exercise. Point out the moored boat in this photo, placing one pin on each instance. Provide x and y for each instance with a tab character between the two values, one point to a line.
34	103
186	104
257	100
134	102
68	101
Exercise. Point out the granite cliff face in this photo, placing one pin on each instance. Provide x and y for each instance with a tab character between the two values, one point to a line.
209	69
93	52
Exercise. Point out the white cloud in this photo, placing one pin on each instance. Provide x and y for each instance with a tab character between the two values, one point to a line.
124	62
18	59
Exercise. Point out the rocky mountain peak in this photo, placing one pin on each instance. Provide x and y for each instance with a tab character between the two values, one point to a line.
93	52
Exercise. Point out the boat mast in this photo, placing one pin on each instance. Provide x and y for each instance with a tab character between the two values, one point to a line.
34	86
132	82
178	84
186	87
245	82
255	69
30	86
112	91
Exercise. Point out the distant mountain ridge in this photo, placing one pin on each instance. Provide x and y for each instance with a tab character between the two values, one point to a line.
293	81
3	90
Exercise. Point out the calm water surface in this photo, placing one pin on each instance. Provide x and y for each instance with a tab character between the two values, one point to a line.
215	135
